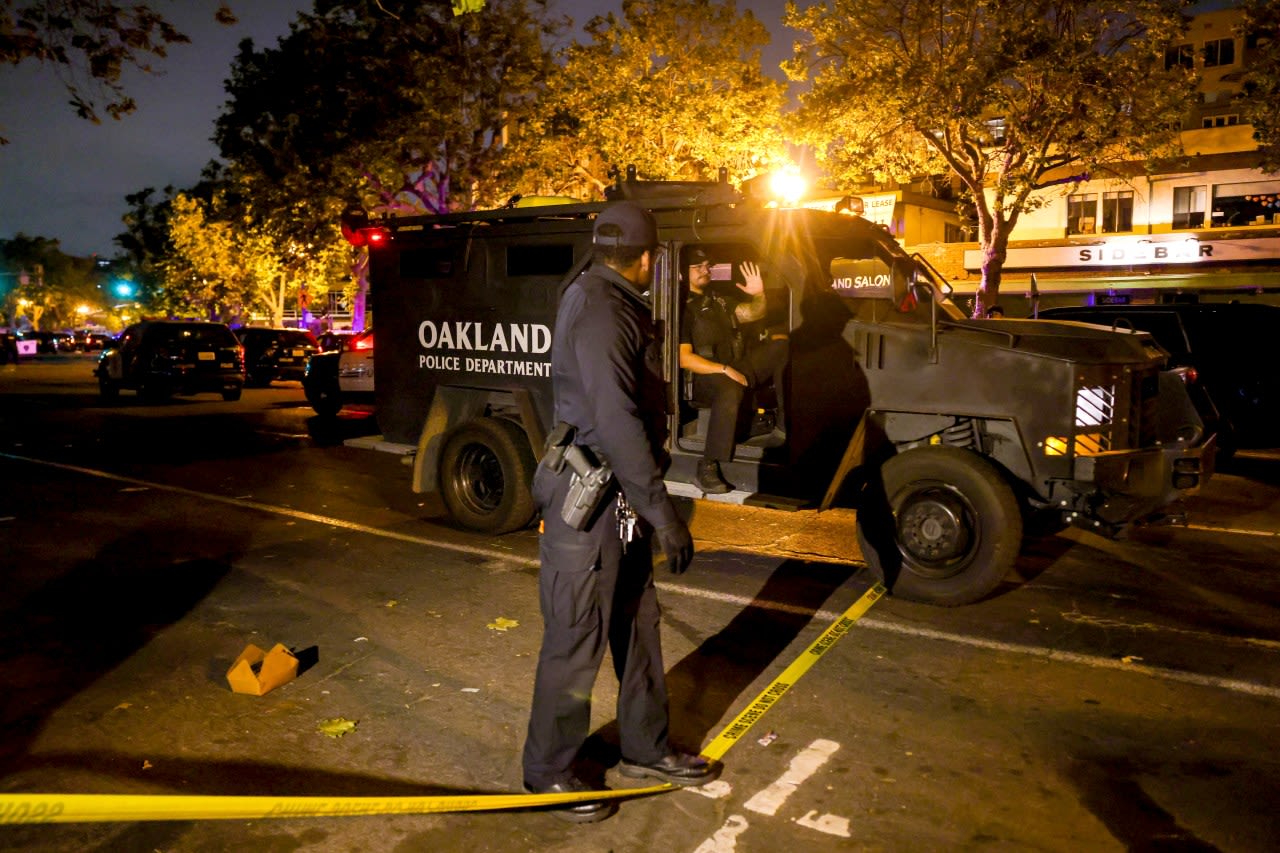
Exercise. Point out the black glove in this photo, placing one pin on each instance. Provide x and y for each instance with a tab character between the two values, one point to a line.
677	544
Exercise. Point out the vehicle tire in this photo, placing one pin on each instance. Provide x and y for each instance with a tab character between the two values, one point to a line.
324	396
486	470
108	389
232	394
945	528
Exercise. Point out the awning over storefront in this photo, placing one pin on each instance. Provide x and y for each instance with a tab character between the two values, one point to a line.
1132	251
1015	283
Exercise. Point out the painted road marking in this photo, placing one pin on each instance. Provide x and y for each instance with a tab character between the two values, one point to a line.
1235	685
768	800
725	839
828	823
243	503
1240	531
804	765
717	790
1231	684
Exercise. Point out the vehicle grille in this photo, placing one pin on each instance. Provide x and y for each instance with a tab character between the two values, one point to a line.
1095	419
1112	412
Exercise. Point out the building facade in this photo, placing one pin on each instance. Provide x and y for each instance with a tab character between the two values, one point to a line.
1206	228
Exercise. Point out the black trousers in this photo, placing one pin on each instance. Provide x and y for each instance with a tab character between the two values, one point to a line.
717	392
593	595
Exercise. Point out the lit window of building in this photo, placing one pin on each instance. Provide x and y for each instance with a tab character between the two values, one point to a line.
1219	52
1188	206
1117	212
1082	213
1180	54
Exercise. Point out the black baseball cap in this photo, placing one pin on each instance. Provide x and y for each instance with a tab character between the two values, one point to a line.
695	256
635	226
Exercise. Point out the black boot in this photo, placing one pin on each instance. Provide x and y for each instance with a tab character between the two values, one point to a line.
710	480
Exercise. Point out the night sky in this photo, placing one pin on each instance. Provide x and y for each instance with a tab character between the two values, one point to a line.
62	177
65	178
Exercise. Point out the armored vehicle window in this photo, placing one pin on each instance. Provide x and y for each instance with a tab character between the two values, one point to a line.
855	271
828	249
547	259
430	262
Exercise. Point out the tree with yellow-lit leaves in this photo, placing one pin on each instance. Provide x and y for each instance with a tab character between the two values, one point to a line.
674	87
1260	96
224	266
1008	96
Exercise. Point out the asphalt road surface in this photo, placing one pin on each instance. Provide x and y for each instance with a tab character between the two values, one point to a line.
1115	695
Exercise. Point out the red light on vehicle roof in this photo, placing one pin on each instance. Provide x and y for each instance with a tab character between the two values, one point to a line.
372	237
1193	376
365	342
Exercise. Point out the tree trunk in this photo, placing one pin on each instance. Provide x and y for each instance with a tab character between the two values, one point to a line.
995	247
277	310
361	271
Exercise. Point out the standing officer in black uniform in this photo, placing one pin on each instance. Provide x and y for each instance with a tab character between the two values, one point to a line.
596	588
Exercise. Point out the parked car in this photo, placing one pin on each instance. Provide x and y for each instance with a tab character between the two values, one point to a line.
335	341
337	379
87	340
8	346
271	354
1229	346
158	358
51	343
20	343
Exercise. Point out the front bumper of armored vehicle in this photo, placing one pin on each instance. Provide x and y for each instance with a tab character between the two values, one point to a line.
1111	490
1108	488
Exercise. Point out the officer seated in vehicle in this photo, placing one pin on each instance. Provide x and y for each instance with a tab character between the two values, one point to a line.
727	354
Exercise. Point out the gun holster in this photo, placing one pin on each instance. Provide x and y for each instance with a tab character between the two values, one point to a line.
591	478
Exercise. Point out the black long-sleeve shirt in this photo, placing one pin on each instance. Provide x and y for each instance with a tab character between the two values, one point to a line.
606	365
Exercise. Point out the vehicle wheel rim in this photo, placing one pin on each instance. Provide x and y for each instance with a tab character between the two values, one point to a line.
936	531
479	480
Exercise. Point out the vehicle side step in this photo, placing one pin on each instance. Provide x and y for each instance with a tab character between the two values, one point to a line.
377	442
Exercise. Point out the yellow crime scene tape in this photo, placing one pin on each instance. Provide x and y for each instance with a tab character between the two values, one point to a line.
127	808
771	694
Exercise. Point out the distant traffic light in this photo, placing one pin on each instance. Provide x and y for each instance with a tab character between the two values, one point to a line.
124	288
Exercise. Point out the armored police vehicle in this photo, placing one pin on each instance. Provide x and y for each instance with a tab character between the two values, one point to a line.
946	433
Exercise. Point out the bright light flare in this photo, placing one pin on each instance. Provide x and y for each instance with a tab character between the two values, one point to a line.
788	187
